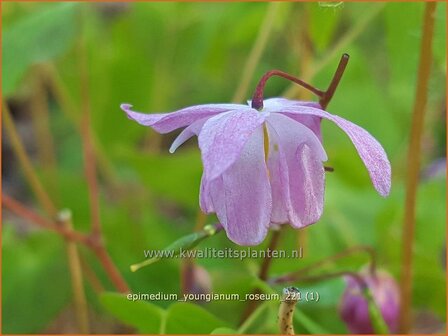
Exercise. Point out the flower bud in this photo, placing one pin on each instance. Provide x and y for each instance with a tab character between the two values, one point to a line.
354	308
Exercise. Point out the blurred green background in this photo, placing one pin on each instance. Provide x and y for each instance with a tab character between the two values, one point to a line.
164	56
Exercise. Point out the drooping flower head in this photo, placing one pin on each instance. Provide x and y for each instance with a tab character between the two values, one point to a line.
354	309
263	162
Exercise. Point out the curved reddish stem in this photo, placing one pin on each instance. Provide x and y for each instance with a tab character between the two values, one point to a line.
257	99
324	96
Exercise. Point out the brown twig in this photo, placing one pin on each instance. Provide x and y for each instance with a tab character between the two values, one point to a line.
324	96
74	264
34	218
94	244
257	98
266	265
110	268
414	154
188	264
325	99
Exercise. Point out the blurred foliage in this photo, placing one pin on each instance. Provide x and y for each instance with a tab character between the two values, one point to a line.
164	56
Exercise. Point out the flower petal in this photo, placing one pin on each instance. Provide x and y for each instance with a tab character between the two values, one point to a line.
310	121
187	133
296	172
276	104
223	137
167	122
279	179
205	201
241	197
369	149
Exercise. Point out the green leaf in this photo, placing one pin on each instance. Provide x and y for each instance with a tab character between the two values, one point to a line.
175	177
185	243
144	316
255	318
378	323
37	38
306	322
30	266
224	331
188	318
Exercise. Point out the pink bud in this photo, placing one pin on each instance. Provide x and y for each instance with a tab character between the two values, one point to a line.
354	308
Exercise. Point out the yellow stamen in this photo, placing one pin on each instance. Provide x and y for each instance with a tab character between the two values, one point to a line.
266	147
266	142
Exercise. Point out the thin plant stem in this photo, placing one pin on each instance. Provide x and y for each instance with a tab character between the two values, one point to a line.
336	50
36	219
256	52
74	264
111	270
257	98
265	266
96	245
325	99
187	271
25	162
324	96
290	277
413	164
188	264
201	219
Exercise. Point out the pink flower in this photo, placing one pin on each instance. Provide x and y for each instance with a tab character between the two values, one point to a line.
250	188
354	309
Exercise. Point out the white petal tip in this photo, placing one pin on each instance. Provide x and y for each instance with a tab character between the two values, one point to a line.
384	193
125	107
